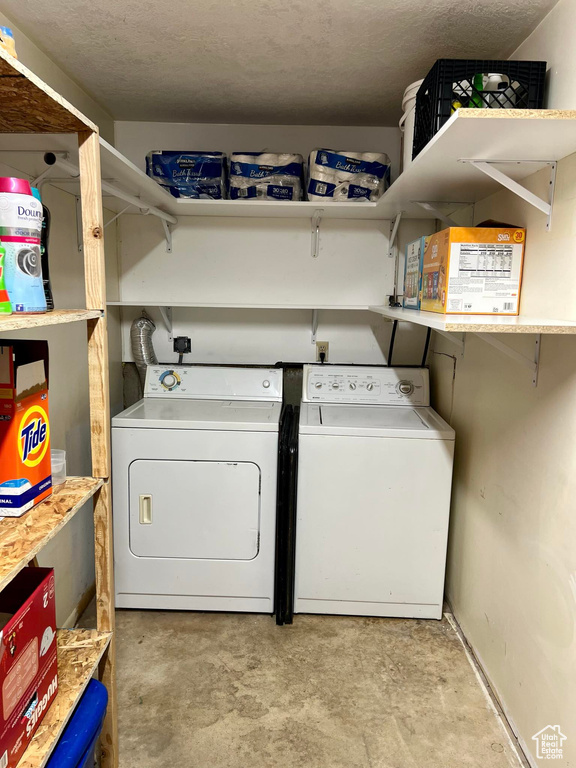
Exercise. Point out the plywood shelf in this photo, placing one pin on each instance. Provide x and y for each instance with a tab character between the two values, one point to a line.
57	316
192	305
79	652
30	106
21	538
477	323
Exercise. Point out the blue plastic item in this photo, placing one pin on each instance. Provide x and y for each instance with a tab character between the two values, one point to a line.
78	742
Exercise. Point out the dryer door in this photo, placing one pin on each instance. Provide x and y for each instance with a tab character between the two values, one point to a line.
207	510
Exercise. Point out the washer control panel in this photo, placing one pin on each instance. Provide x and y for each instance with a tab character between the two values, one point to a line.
213	382
357	384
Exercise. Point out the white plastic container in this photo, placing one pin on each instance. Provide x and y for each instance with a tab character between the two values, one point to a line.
58	466
406	123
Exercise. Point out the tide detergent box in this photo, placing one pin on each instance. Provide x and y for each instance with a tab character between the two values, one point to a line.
474	270
413	273
28	659
25	465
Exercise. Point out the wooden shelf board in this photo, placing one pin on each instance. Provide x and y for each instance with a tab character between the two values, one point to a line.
21	538
79	652
18	322
173	304
30	106
436	175
477	323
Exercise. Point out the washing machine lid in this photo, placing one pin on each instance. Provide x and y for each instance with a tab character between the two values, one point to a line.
373	421
159	413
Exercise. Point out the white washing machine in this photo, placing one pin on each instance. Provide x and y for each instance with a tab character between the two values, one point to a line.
374	480
195	466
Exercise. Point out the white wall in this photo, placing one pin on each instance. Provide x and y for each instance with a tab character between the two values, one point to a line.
512	552
553	41
37	61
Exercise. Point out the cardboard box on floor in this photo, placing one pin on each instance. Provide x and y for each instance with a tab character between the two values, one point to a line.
28	659
25	463
474	270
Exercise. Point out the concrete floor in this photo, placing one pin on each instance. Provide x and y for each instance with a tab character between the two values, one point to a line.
208	690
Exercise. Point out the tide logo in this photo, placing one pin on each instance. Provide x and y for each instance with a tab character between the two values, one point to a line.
33	435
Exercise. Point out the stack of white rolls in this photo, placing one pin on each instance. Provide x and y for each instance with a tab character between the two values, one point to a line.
266	176
338	176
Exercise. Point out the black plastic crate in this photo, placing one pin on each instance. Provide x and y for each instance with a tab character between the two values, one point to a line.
454	83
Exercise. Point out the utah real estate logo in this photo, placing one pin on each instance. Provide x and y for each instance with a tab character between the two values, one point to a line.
549	743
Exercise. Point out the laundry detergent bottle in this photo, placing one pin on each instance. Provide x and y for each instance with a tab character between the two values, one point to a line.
20	232
5	306
44	238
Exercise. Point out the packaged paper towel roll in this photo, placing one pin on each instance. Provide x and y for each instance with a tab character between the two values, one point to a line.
347	176
265	175
196	175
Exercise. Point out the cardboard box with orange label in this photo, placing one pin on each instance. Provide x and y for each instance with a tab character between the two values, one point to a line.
473	270
25	465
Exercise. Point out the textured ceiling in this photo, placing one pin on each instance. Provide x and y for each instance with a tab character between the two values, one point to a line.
341	62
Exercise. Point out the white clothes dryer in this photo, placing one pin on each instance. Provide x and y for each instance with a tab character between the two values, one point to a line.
374	481
195	468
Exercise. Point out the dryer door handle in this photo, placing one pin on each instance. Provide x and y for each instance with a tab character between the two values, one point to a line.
145	509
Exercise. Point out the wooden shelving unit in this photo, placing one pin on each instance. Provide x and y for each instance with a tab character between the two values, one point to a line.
30	110
79	653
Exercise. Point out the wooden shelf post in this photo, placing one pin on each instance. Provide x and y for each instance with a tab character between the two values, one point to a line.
94	266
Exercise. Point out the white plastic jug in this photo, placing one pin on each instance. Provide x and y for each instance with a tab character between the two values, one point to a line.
406	123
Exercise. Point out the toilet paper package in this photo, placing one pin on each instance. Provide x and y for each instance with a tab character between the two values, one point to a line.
340	176
265	175
191	175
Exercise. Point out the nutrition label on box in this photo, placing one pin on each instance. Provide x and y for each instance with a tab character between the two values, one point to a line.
486	260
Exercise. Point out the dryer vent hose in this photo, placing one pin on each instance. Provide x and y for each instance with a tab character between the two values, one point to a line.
143	353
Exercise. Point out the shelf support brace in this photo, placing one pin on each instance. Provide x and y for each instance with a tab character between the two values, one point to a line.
316	220
487	167
113	219
453	339
167	235
394	254
437	213
166	313
314	325
532	364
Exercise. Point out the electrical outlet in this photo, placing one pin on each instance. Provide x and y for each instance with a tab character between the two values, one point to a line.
322	348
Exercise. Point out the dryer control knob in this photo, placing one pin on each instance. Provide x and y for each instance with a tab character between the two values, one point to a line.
352	385
265	383
318	385
335	385
169	381
370	386
405	387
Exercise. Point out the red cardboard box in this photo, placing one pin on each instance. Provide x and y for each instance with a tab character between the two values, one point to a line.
28	659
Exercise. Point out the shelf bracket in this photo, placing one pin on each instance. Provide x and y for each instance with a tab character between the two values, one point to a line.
79	232
532	364
394	253
438	213
488	167
166	313
167	235
316	220
314	325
